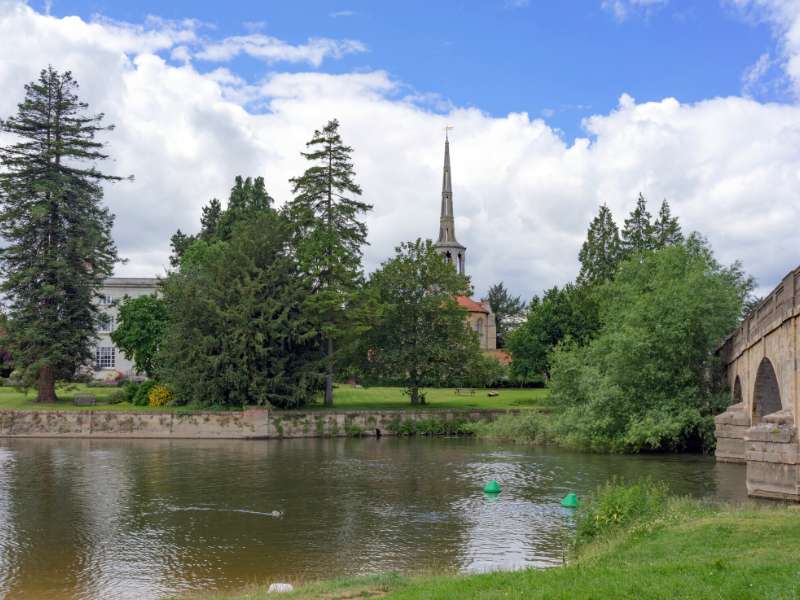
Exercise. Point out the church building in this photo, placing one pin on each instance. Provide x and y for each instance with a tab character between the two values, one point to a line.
480	315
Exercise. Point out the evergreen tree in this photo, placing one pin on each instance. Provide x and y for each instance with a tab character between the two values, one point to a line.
601	252
330	236
666	230
505	308
236	329
638	234
247	198
57	237
420	335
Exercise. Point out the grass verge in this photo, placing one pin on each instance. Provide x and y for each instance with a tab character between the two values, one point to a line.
633	542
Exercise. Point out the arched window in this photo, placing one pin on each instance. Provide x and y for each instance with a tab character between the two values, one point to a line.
479	327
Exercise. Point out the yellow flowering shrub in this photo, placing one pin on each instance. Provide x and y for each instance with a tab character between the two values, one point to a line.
159	395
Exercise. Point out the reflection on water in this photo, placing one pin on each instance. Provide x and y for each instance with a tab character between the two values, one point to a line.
142	519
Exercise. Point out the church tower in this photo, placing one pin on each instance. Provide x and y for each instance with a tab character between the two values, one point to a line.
447	244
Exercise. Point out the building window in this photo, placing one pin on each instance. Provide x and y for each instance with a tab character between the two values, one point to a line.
105	299
104	357
107	323
479	327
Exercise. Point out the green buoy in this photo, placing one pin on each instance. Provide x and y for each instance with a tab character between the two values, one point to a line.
570	501
492	487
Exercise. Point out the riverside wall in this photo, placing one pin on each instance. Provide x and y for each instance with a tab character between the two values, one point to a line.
248	424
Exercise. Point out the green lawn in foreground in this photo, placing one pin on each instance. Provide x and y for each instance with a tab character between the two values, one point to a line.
728	553
345	398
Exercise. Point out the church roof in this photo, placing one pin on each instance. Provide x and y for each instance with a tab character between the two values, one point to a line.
471	305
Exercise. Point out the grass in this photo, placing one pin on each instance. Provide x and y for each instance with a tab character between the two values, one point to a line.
384	398
686	549
345	398
14	399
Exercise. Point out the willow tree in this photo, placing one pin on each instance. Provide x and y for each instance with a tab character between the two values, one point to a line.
57	245
330	237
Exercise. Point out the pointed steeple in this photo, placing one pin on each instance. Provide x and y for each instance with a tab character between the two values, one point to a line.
447	243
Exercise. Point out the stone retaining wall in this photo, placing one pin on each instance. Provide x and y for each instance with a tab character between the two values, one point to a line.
248	424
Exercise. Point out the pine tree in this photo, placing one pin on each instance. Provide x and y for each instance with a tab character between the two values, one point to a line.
57	236
601	252
505	308
638	234
666	230
330	236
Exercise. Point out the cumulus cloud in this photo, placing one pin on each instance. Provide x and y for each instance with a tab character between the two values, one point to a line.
271	50
523	195
623	9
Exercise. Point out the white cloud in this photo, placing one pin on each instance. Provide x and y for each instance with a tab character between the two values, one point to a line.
342	13
523	195
271	50
623	9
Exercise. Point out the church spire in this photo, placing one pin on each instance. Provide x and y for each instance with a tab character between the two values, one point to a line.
447	243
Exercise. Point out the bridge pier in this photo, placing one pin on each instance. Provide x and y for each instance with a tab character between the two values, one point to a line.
762	361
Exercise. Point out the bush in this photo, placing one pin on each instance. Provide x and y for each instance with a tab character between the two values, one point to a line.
130	388
617	506
159	395
117	397
140	397
528	427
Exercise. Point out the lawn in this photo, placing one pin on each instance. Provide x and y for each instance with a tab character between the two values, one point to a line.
697	552
345	397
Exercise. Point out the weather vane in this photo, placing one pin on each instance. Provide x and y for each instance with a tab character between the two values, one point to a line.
447	128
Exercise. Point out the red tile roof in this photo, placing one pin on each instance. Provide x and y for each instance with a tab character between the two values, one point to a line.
471	305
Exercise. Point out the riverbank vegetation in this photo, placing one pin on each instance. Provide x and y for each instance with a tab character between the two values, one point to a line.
629	347
631	541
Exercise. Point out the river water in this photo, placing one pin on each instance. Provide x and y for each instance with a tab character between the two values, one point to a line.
146	519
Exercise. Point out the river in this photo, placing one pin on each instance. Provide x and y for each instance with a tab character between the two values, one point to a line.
147	519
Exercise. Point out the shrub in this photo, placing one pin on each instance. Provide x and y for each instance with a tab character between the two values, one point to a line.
130	388
117	397
159	395
140	397
528	427
617	505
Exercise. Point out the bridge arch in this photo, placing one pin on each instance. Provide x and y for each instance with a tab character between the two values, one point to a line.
737	391
766	393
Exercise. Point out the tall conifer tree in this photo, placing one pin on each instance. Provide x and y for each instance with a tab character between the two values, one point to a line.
638	234
57	237
331	234
666	229
601	252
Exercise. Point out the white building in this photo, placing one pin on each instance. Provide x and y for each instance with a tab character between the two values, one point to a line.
109	360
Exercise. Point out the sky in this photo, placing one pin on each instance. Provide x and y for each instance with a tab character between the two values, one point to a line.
557	107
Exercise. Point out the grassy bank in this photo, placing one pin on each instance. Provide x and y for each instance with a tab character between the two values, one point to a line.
631	544
346	398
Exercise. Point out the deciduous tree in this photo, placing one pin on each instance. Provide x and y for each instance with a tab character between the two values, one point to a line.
141	322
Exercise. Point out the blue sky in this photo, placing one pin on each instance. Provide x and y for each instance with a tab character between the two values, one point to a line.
559	60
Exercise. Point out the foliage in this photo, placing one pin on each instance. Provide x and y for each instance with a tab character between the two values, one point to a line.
666	229
643	382
330	233
601	252
57	236
618	505
507	310
530	427
141	323
419	333
638	234
569	312
141	394
159	395
481	371
237	329
247	198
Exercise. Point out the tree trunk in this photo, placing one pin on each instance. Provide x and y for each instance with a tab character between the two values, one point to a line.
414	395
45	385
329	375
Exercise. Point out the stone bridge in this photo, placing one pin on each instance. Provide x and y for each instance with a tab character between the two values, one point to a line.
762	360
